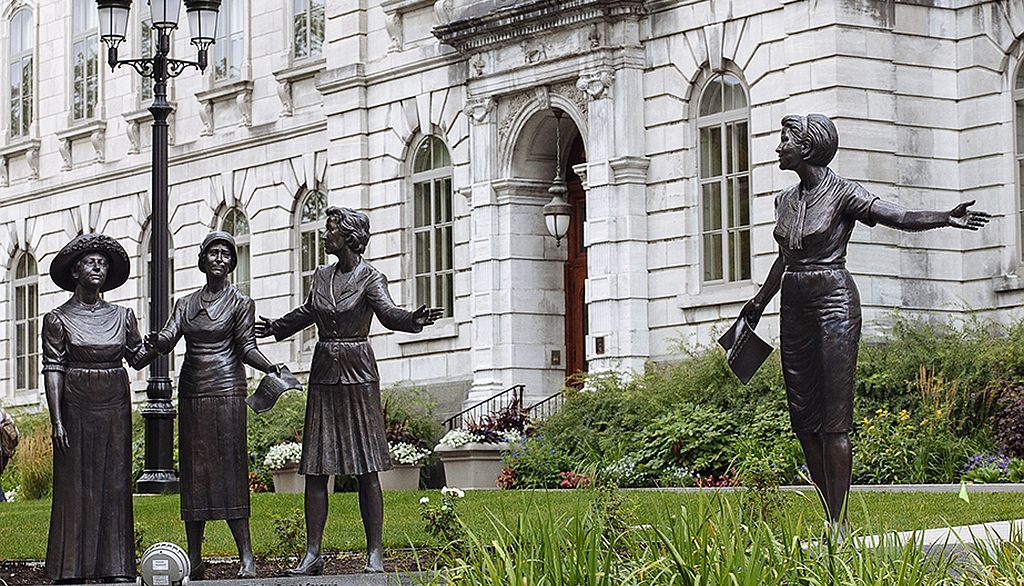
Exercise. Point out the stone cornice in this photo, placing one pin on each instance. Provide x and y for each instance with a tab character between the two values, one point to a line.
470	33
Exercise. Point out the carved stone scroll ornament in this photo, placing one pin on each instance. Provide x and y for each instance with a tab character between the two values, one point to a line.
32	158
64	146
244	103
479	109
597	84
134	138
98	140
5	180
393	24
284	93
206	115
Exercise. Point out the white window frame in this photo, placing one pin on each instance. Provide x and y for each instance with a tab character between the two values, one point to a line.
242	247
231	25
85	36
723	120
307	339
434	179
25	55
145	37
31	322
310	15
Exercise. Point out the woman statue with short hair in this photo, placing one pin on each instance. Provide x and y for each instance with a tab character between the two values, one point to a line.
344	431
85	341
217	322
820	313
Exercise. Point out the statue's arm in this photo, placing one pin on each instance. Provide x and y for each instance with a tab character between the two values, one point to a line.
138	354
168	336
755	307
390	315
245	337
896	216
55	362
294	321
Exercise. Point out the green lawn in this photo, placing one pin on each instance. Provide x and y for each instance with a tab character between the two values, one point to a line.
25	523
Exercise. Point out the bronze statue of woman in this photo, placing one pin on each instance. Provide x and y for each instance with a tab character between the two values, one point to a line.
84	343
820	312
344	430
217	323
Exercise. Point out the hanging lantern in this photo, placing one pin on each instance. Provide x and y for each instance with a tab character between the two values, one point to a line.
202	21
558	212
113	20
165	13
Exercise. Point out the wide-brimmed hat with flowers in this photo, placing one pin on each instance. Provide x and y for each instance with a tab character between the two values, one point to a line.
64	264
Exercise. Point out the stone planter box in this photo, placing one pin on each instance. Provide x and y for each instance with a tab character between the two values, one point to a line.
401	477
473	466
288	480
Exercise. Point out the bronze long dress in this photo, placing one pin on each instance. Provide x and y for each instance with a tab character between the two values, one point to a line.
91	526
820	312
344	430
212	446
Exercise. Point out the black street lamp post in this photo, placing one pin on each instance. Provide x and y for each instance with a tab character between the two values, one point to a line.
158	475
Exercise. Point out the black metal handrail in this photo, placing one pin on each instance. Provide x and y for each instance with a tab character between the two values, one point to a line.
543	409
486	407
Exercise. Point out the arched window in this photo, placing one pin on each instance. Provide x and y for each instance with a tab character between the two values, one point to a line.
310	224
432	245
1018	98
229	47
22	40
308	29
85	67
26	323
147	287
236	224
723	124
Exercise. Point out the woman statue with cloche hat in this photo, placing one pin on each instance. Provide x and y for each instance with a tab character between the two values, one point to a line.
85	341
217	324
344	431
820	312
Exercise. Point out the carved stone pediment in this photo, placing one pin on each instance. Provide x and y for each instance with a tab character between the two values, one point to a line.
484	23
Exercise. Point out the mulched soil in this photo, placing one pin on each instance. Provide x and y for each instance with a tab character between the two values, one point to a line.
23	573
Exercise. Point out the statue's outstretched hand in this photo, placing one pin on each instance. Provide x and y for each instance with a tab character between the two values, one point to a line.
964	218
264	327
424	316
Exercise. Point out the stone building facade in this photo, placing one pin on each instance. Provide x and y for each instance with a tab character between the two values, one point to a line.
438	119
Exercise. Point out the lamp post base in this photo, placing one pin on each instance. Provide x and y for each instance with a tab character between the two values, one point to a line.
159	477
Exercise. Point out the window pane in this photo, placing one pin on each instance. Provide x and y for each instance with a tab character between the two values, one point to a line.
307	284
741	255
737	157
734	96
1020	78
443	248
32	291
710	152
423	291
314	206
21	311
316	27
712	206
443	200
309	251
242	270
443	296
739	196
1020	126
22	368
711	101
421	204
712	257
422	247
423	157
441	158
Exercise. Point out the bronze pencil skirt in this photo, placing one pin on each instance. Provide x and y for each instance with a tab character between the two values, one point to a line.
344	431
820	333
213	455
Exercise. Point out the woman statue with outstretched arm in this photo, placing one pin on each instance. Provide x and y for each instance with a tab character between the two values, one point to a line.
820	314
85	344
344	431
217	322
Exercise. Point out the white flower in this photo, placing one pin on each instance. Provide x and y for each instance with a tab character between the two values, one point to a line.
512	436
283	456
455	492
458	437
11	495
424	500
407	454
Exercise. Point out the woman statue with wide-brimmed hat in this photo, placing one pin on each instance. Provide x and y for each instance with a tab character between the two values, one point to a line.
820	313
217	324
85	341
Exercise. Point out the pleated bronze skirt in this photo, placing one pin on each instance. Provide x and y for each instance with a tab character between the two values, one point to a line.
344	431
213	454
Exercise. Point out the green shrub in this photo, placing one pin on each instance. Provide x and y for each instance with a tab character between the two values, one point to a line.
697	437
536	463
415	410
35	464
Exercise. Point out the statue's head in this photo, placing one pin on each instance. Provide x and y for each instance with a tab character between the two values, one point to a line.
811	139
347	227
218	250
